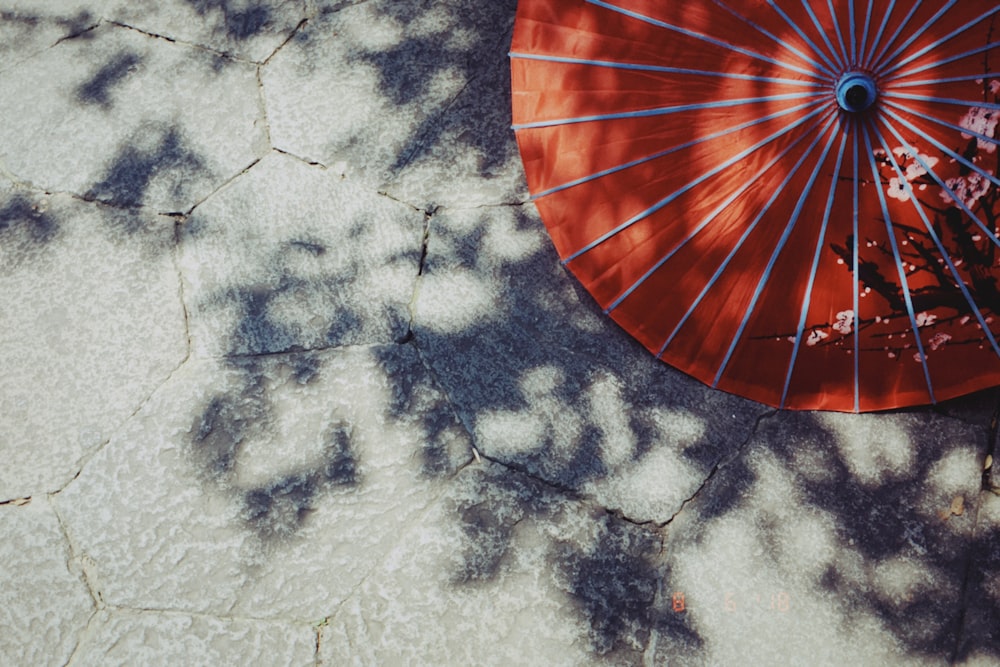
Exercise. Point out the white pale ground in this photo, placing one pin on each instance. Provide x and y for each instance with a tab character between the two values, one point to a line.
319	260
43	606
247	29
240	509
198	118
92	323
167	530
491	271
420	606
761	571
125	637
391	103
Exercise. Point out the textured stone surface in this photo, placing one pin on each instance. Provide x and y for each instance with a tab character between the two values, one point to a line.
303	489
832	539
43	606
158	638
30	26
500	559
407	98
92	323
120	117
251	29
293	257
547	384
252	488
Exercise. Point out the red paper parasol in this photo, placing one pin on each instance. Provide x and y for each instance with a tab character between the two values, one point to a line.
791	201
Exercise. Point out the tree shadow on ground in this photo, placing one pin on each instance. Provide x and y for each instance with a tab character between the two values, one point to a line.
572	408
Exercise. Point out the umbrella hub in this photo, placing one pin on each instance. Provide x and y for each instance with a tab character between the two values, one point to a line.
856	91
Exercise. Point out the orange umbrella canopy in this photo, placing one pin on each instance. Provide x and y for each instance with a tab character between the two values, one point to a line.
791	201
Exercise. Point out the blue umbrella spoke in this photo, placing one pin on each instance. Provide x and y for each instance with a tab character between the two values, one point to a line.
855	268
940	100
668	70
904	285
878	35
937	43
820	67
990	234
940	63
782	241
916	35
707	220
895	83
822	33
673	149
691	184
895	35
958	128
840	34
864	33
665	111
746	233
930	228
801	33
944	149
807	297
702	37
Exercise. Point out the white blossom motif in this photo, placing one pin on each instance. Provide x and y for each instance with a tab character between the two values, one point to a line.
981	121
925	319
938	339
967	188
914	169
845	322
816	336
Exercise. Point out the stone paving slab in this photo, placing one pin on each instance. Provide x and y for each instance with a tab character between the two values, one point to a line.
70	379
293	256
168	638
290	374
120	117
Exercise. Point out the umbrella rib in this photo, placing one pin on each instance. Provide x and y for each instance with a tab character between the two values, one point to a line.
854	272
962	130
864	33
807	297
907	298
930	47
801	54
939	63
747	231
840	33
916	35
958	200
930	229
985	174
941	100
660	68
665	111
895	35
747	184
699	36
789	228
674	149
930	82
878	35
677	193
822	33
795	26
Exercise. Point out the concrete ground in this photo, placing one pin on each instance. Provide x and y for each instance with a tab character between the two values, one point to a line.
290	375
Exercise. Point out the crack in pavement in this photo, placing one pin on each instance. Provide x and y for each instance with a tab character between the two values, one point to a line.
722	462
288	39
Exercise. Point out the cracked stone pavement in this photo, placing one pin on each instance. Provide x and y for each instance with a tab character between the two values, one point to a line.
291	375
